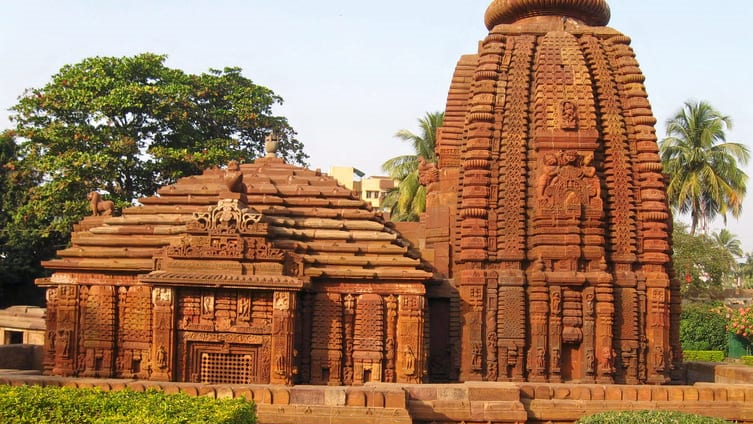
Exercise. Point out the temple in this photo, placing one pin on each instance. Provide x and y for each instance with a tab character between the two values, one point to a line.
543	255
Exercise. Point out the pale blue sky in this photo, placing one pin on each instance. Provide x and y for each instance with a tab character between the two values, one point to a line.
354	72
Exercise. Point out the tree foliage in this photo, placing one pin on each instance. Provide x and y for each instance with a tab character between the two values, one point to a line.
126	126
701	263
21	247
407	201
702	328
704	178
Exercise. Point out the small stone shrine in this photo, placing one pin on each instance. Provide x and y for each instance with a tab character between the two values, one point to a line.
547	211
259	273
544	250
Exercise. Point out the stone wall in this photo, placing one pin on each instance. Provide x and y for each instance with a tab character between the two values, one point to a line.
472	402
21	357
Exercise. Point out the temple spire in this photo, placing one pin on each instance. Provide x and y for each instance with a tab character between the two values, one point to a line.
591	12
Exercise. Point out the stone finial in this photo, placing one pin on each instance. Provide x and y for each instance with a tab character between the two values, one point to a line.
591	12
271	142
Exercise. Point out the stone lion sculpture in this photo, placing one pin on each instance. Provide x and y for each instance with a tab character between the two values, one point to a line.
99	206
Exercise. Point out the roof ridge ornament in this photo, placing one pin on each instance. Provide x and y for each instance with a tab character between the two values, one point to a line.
591	12
271	143
228	217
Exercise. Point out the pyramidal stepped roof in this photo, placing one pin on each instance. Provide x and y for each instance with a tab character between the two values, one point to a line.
306	213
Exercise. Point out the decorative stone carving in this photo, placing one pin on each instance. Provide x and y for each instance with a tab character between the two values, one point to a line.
97	206
557	189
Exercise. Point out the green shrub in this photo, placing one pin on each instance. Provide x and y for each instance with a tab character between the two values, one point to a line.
747	360
702	355
701	328
54	405
648	417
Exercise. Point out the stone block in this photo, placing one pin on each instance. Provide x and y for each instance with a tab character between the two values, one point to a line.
644	394
598	393
421	392
375	399
492	392
224	392
171	389
562	392
334	396
262	395
613	393
395	399
659	394
207	391
455	392
190	390
675	394
690	393
705	393
356	398
736	394
135	386
243	393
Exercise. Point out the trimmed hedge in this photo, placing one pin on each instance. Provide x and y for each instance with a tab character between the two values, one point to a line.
702	355
649	417
747	360
54	405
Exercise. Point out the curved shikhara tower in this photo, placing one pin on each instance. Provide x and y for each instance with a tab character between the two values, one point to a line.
547	211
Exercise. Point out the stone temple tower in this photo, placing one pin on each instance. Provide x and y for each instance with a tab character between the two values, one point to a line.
547	216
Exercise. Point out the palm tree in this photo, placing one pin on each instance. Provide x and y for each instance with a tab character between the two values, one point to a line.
746	270
731	249
729	242
704	177
407	201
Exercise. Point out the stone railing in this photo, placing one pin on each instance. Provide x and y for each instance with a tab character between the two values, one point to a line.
443	403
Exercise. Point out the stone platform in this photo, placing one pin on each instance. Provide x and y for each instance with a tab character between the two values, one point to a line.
442	403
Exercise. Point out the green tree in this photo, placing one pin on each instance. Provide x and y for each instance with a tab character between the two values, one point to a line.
20	249
126	126
700	263
746	270
407	201
704	177
702	328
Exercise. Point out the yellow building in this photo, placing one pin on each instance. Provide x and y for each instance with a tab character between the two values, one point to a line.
370	189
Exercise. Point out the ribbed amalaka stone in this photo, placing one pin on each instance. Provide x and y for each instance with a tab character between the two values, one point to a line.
549	171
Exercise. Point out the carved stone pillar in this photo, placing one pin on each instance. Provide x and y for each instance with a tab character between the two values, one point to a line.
367	346
538	298
163	334
410	339
66	336
389	348
492	340
657	334
98	330
511	324
349	314
306	321
327	340
588	349
51	325
283	319
473	340
555	334
605	353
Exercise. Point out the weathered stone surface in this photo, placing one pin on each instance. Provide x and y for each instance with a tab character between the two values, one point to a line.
558	223
283	278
